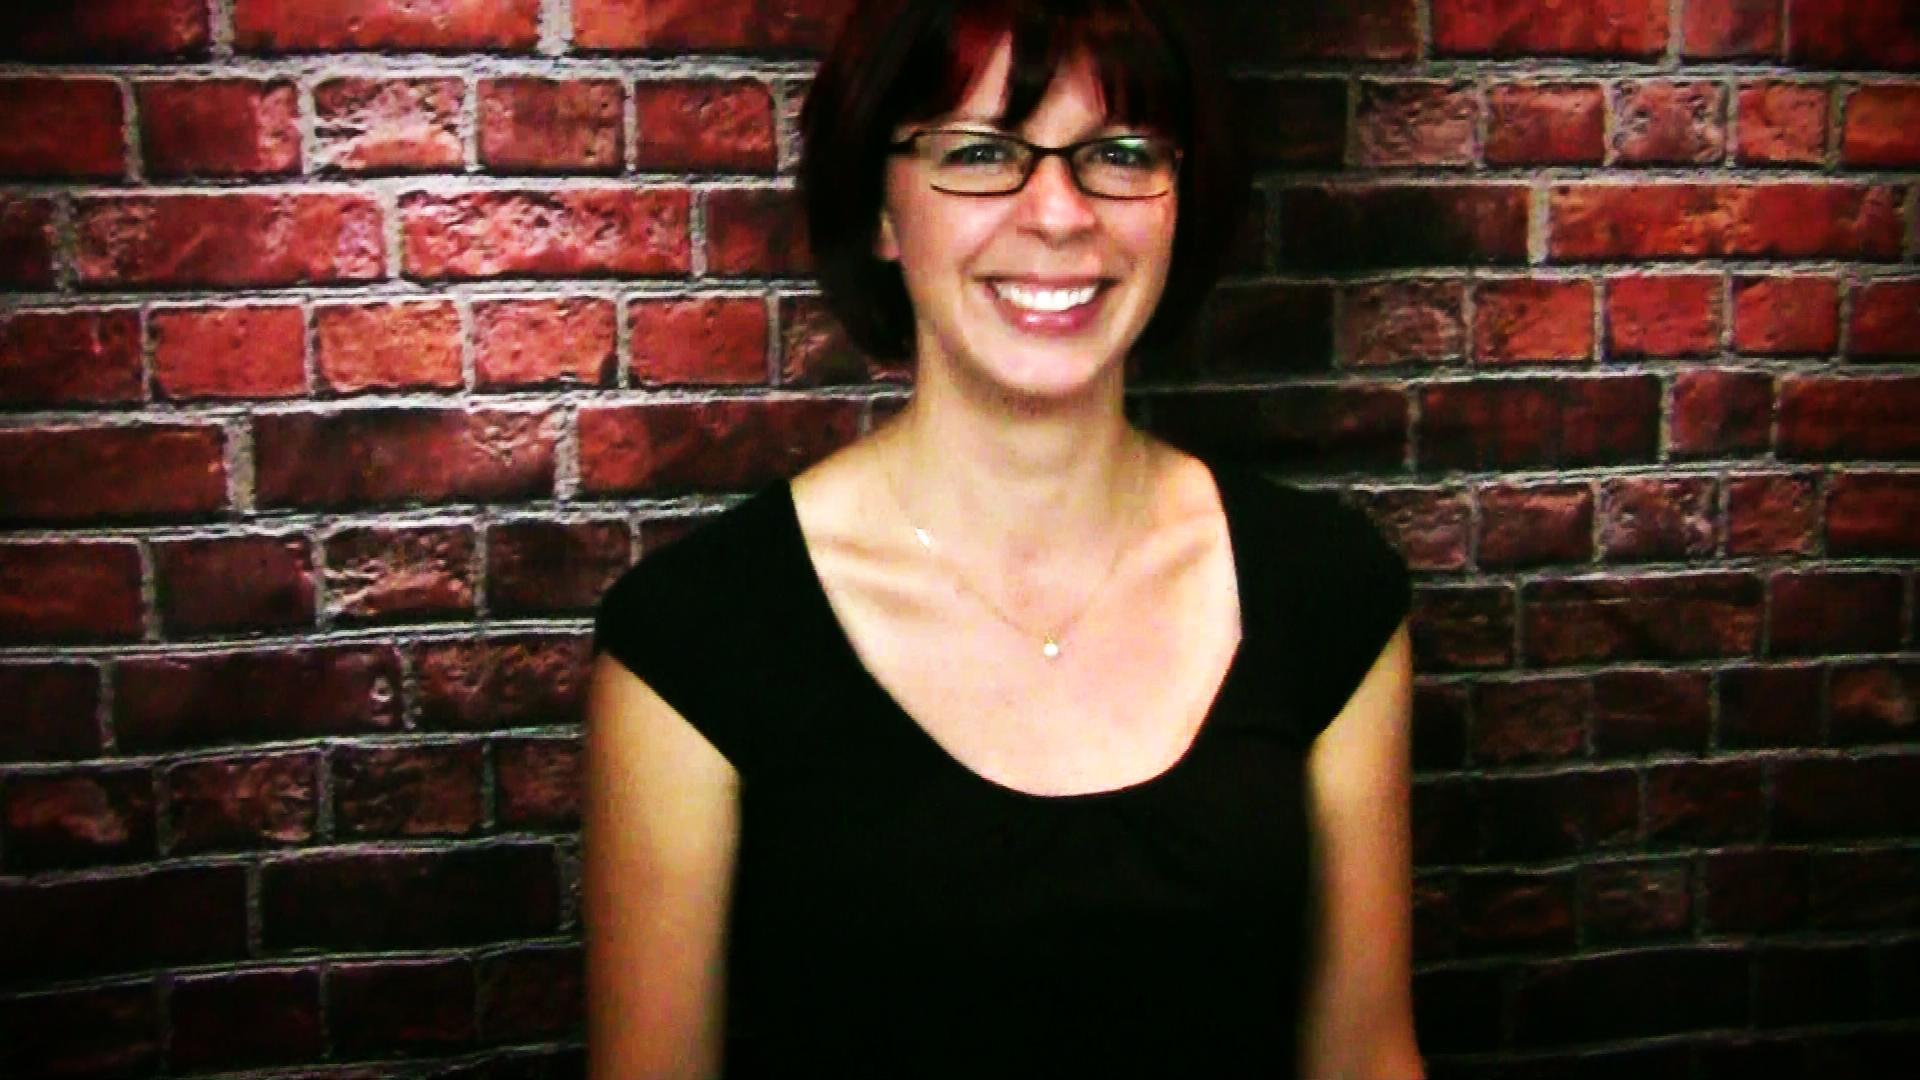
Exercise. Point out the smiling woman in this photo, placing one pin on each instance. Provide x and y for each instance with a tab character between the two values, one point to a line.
1010	740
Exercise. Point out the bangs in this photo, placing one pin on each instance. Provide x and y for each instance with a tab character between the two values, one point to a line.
1142	79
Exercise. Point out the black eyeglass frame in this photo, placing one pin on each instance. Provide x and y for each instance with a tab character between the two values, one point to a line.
1037	153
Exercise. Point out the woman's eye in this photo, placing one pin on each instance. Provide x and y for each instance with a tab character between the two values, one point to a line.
1125	155
979	152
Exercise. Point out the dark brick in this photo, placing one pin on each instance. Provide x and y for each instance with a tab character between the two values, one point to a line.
1721	413
1613	28
70	592
1439	726
530	124
389	574
1504	911
129	922
1708	802
220	127
1291	122
754	26
1462	627
538	783
1857	34
381	900
70	358
531	994
1531	720
1758	889
1873	514
1885	325
1825	418
1428	525
543	567
244	802
1648	992
1638	711
1770	706
1865	889
1802	985
1529	526
1635	901
1726	29
1388	323
107	30
1552	816
1666	518
54	715
502	682
1318	428
228	240
78	819
1415	122
1253	330
168	702
712	446
1514	423
148	472
1265	33
1837	798
1349	228
235	583
1459	1010
1772	515
386	456
392	791
1656	618
405	1006
268	26
1446	822
246	1019
26	242
757	232
99	1031
1824	611
1875	703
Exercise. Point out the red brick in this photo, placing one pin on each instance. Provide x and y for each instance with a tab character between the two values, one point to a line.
1770	706
1427	525
1415	122
83	819
1505	910
1560	814
1339	228
1462	627
1635	901
1677	617
411	899
272	26
395	346
704	340
1882	127
1725	29
1775	316
393	791
1873	514
401	1006
26	242
815	349
533	125
1857	34
229	352
538	781
1641	711
1512	423
709	446
1291	122
1706	803
1265	328
62	129
374	125
1546	124
1752	890
106	30
1616	28
389	574
60	592
164	702
147	472
228	240
1834	798
546	567
1719	413
1532	319
1531	720
386	456
757	232
54	712
1669	123
502	682
245	1019
1530	526
70	358
1663	316
1388	323
1877	703
1648	991
532	994
1782	123
705	126
1824	418
562	233
677	26
177	915
244	802
1860	889
1320	428
543	342
220	127
1821	611
234	583
1886	321
1264	35
103	1031
1659	518
1771	515
1782	220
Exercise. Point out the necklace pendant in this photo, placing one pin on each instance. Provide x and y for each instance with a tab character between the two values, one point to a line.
1050	648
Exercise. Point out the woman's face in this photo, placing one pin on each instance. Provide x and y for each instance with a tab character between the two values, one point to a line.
987	275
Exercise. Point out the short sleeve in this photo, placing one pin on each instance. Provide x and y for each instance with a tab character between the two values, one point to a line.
1365	594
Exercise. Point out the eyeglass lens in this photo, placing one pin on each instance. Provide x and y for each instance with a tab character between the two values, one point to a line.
982	163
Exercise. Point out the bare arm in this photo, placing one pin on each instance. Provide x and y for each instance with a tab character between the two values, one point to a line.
660	829
1359	1020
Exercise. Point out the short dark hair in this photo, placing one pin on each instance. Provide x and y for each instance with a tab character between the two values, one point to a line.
901	61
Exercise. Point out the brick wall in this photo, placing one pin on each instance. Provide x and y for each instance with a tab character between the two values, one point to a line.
347	350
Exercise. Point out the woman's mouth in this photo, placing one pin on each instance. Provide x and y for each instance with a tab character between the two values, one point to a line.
1048	309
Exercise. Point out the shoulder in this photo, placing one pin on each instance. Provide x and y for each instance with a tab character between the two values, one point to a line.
1308	533
710	563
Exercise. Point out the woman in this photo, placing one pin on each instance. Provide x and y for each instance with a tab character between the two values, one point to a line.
1008	741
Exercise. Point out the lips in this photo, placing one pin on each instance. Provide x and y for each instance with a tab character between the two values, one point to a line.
1049	307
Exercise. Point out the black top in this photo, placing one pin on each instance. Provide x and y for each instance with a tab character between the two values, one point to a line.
895	913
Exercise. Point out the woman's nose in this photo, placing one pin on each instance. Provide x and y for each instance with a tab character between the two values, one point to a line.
1052	202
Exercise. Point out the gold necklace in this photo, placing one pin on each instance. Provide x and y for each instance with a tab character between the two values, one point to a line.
1052	642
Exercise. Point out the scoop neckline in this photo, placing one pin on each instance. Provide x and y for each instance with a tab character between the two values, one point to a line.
849	657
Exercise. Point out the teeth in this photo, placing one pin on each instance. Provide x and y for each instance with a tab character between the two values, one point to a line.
1044	299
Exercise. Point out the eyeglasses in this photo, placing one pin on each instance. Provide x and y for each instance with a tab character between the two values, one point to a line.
993	163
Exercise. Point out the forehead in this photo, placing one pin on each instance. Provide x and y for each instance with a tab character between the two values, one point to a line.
1073	97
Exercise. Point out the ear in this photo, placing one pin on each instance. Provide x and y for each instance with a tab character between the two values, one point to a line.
886	246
